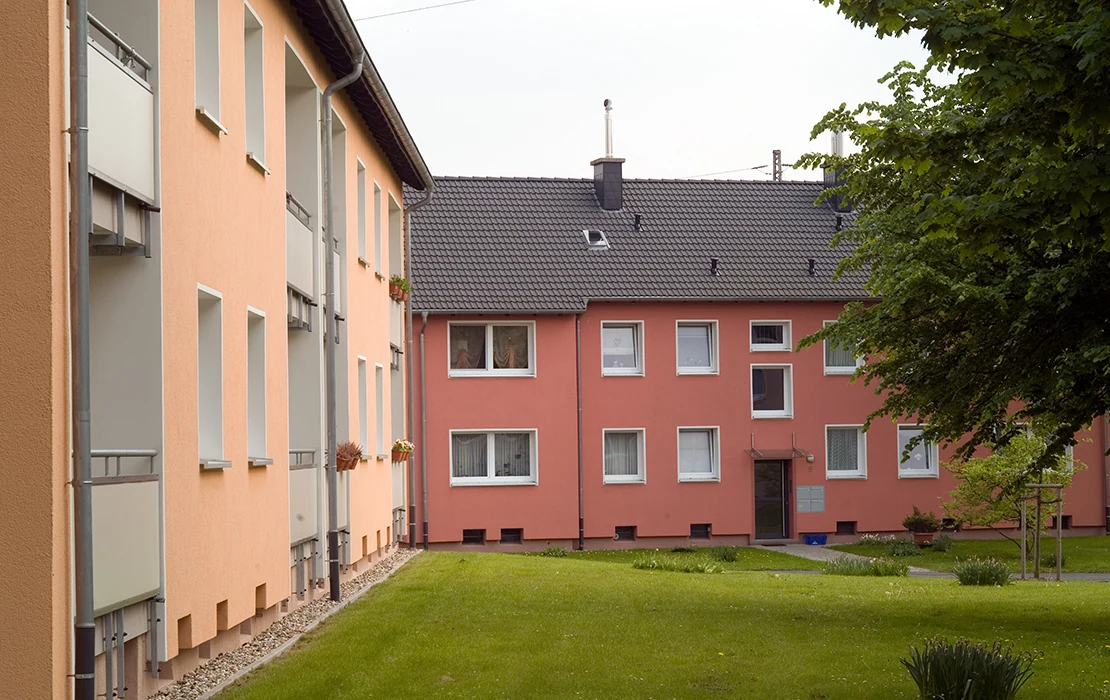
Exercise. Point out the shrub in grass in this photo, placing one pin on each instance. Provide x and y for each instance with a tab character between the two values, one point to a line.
553	552
941	543
685	566
851	566
872	538
899	547
1048	561
684	549
981	572
725	553
946	671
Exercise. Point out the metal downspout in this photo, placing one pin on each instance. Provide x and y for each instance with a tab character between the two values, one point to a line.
80	225
424	430
329	338
411	462
578	391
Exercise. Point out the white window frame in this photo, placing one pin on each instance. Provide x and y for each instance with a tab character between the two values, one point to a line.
377	228
363	408
860	472
489	371
715	445
836	370
641	468
379	410
255	93
210	399
933	452
787	335
257	444
531	480
360	197
640	370
209	11
788	391
714	347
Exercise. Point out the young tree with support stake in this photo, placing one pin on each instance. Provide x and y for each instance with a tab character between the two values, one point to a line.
983	217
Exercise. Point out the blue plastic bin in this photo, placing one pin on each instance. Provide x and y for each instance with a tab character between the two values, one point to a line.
816	539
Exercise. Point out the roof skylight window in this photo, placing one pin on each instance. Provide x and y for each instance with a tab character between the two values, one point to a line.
595	238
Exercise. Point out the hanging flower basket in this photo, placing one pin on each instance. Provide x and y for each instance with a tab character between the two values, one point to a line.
401	450
347	455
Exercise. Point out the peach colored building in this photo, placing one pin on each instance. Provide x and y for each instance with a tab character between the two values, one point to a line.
207	324
613	362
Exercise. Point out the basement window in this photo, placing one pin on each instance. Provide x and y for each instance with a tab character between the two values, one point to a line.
474	537
512	535
595	238
625	532
700	531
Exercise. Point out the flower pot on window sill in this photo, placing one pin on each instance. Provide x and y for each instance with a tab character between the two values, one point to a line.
923	538
400	455
397	294
344	465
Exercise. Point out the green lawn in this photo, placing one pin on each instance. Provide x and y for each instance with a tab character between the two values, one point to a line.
476	625
747	558
1081	554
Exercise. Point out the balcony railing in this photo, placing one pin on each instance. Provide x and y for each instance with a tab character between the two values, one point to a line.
298	247
121	115
126	528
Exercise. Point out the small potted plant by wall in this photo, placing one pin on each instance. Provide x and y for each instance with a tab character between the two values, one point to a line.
399	288
347	455
401	450
923	526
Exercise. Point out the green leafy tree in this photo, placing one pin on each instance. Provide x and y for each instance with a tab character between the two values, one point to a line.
982	219
991	488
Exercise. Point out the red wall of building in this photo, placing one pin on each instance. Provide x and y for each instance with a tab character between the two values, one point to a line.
661	401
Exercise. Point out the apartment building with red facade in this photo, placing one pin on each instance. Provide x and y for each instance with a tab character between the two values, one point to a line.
607	361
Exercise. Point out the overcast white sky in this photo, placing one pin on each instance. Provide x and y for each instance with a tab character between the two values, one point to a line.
515	87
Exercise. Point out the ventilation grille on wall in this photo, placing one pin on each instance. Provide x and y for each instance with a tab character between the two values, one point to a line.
625	532
700	531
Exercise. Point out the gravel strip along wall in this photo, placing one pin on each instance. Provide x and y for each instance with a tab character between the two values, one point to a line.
209	679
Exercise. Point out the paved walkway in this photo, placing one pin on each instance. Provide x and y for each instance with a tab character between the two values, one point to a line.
820	553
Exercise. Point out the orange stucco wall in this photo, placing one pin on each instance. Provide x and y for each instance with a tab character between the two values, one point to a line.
227	531
659	403
34	371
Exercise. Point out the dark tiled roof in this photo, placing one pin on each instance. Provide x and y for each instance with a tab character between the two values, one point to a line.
516	244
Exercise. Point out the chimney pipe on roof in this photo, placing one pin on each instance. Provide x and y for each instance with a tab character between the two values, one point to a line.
607	171
812	267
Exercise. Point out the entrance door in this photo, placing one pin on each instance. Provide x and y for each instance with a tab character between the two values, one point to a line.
771	502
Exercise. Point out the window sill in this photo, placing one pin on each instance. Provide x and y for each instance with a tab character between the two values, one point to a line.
621	374
761	415
258	164
379	275
212	123
259	461
611	481
930	475
364	457
699	479
838	477
691	372
362	261
770	348
381	458
493	482
840	371
456	374
210	465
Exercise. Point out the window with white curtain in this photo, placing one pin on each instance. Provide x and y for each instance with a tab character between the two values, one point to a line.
493	457
489	349
840	359
846	451
698	458
624	456
923	459
622	348
696	347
